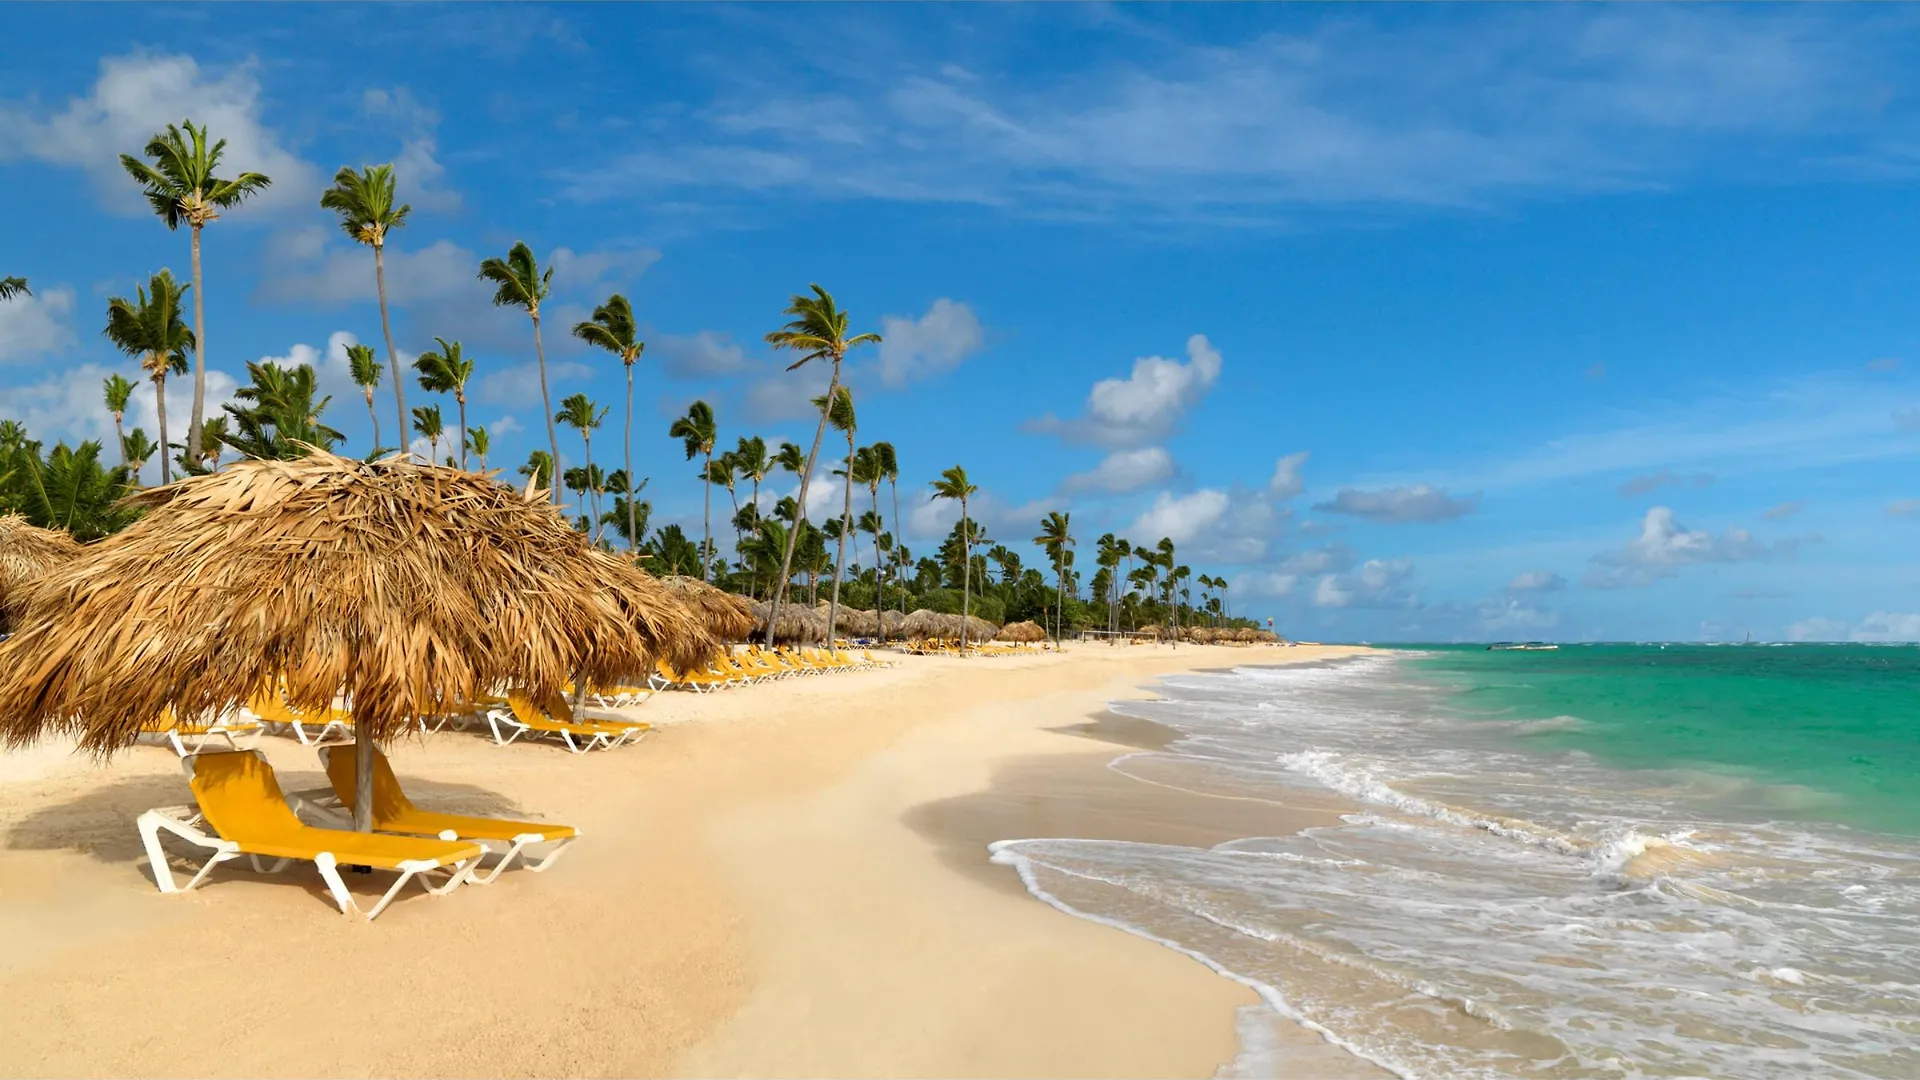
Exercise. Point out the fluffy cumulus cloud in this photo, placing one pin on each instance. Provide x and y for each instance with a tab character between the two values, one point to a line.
1879	626
1513	613
306	266
1665	545
1123	471
332	372
1180	518
138	95
1650	482
1330	559
70	407
1399	505
1536	581
913	349
1378	583
703	355
1286	481
32	327
419	177
519	384
1146	405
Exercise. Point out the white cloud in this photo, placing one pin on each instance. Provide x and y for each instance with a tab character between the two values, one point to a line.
1330	559
1664	546
1817	629
595	271
519	384
71	407
333	373
137	96
913	349
1398	505
1536	581
1146	405
419	177
1378	583
1287	481
1508	613
506	425
1123	471
787	395
1180	518
306	268
1265	583
1879	626
31	327
704	354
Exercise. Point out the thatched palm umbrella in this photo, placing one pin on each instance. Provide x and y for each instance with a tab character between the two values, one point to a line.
979	629
798	624
1151	630
27	553
401	585
922	624
1247	634
1021	631
890	623
728	616
859	623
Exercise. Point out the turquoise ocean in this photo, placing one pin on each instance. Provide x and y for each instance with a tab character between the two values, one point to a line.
1596	861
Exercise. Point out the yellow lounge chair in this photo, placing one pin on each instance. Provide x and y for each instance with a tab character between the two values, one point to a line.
177	732
393	812
554	718
333	726
238	797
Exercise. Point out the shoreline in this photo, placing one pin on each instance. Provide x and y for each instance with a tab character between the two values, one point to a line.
778	881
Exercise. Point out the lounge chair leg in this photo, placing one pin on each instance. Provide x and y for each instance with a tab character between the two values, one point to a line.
330	873
552	856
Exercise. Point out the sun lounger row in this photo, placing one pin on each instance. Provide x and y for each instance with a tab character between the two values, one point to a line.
952	648
240	810
756	664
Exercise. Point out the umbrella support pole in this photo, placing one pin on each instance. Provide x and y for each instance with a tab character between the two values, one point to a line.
362	787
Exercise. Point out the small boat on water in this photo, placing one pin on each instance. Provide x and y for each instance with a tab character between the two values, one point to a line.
1521	646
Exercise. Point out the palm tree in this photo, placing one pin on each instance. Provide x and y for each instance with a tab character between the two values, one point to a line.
750	457
1054	539
953	485
276	415
520	283
1165	553
539	469
581	414
14	286
839	413
818	331
137	448
364	201
887	463
427	424
181	186
479	442
611	328
722	470
214	434
151	328
1110	550
447	372
365	367
697	432
118	389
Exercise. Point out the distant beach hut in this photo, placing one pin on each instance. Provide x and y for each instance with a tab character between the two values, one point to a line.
401	585
727	616
857	623
1027	631
1151	630
922	625
978	629
1247	634
890	624
798	625
27	554
1200	635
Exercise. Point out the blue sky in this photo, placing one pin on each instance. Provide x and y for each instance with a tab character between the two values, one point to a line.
1590	322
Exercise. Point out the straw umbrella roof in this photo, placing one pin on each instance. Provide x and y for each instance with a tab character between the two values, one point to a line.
1022	631
922	624
1150	630
978	629
797	623
1247	633
858	623
27	553
727	616
401	584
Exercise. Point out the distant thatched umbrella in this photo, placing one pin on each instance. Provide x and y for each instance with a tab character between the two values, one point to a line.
1022	631
1266	637
27	553
857	623
1151	630
1200	635
890	622
728	616
798	625
1247	633
923	624
978	629
402	585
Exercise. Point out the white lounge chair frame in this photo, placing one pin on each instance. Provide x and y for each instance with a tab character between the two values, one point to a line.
184	822
233	737
326	804
599	740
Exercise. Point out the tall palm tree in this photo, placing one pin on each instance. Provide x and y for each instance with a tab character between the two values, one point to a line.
137	448
364	201
118	390
539	468
14	286
427	422
697	432
581	414
519	282
611	328
953	485
181	186
1110	549
866	471
750	457
479	442
365	367
722	470
839	413
1054	539
446	371
887	463
817	331
151	328
1165	553
214	434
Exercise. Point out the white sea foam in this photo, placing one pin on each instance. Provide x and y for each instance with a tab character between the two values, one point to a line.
1500	911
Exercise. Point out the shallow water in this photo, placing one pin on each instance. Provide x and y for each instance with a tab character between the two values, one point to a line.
1511	903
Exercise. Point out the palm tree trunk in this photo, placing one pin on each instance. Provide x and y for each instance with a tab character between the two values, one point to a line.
120	436
160	407
386	328
966	573
706	522
546	405
894	486
199	360
840	556
633	542
738	536
460	399
786	559
592	494
375	417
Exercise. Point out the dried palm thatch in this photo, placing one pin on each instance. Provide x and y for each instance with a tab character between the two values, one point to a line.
1266	637
922	625
797	626
1247	634
27	553
727	616
978	629
1021	631
1151	630
1200	635
857	623
399	584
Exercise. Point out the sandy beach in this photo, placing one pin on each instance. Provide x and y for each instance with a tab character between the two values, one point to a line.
786	879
